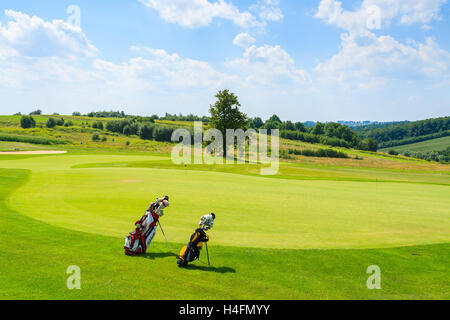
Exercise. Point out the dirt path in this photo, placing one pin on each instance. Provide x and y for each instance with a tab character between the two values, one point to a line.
34	152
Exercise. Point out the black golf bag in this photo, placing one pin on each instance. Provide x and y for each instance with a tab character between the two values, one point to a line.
192	251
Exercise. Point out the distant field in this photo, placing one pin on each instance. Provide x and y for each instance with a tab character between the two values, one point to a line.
18	146
438	144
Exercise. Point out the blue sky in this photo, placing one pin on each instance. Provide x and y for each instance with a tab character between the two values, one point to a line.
320	60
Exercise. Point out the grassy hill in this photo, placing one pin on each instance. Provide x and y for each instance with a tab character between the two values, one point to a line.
309	232
398	134
438	144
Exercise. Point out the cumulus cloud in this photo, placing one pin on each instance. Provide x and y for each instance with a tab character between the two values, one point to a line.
268	65
369	61
158	68
33	37
404	12
268	10
200	13
244	40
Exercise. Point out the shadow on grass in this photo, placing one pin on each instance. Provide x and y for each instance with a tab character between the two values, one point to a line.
157	255
210	269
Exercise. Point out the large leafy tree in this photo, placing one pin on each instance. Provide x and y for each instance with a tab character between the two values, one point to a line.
225	114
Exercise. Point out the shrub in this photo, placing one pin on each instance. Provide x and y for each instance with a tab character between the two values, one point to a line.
104	139
60	122
146	132
163	133
51	123
95	137
393	152
32	140
127	130
27	122
36	113
321	153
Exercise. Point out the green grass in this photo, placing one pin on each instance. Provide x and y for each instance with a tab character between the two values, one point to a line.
353	214
309	232
36	255
438	144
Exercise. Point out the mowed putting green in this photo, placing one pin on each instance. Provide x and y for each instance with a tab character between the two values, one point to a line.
69	214
253	211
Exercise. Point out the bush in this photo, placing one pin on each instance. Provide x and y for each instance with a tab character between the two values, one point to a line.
104	139
36	113
146	132
32	140
321	153
76	114
27	122
163	133
68	124
98	125
393	152
51	123
95	137
127	130
60	122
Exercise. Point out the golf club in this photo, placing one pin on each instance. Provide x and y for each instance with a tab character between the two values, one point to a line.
207	253
170	248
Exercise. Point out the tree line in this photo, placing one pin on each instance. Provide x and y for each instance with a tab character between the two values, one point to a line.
405	133
331	134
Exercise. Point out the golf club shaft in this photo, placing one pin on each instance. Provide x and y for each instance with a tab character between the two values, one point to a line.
167	241
207	253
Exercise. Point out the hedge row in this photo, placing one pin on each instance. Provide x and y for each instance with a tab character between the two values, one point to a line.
30	139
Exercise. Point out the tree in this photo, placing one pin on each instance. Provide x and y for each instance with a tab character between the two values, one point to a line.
36	113
76	114
319	129
300	127
95	137
60	122
51	123
27	122
273	123
288	125
225	114
258	123
146	132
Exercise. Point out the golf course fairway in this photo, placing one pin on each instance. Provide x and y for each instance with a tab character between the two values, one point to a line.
274	237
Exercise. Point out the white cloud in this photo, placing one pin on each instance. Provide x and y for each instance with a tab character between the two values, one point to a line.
200	13
244	40
34	37
268	65
268	10
369	61
404	12
158	69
